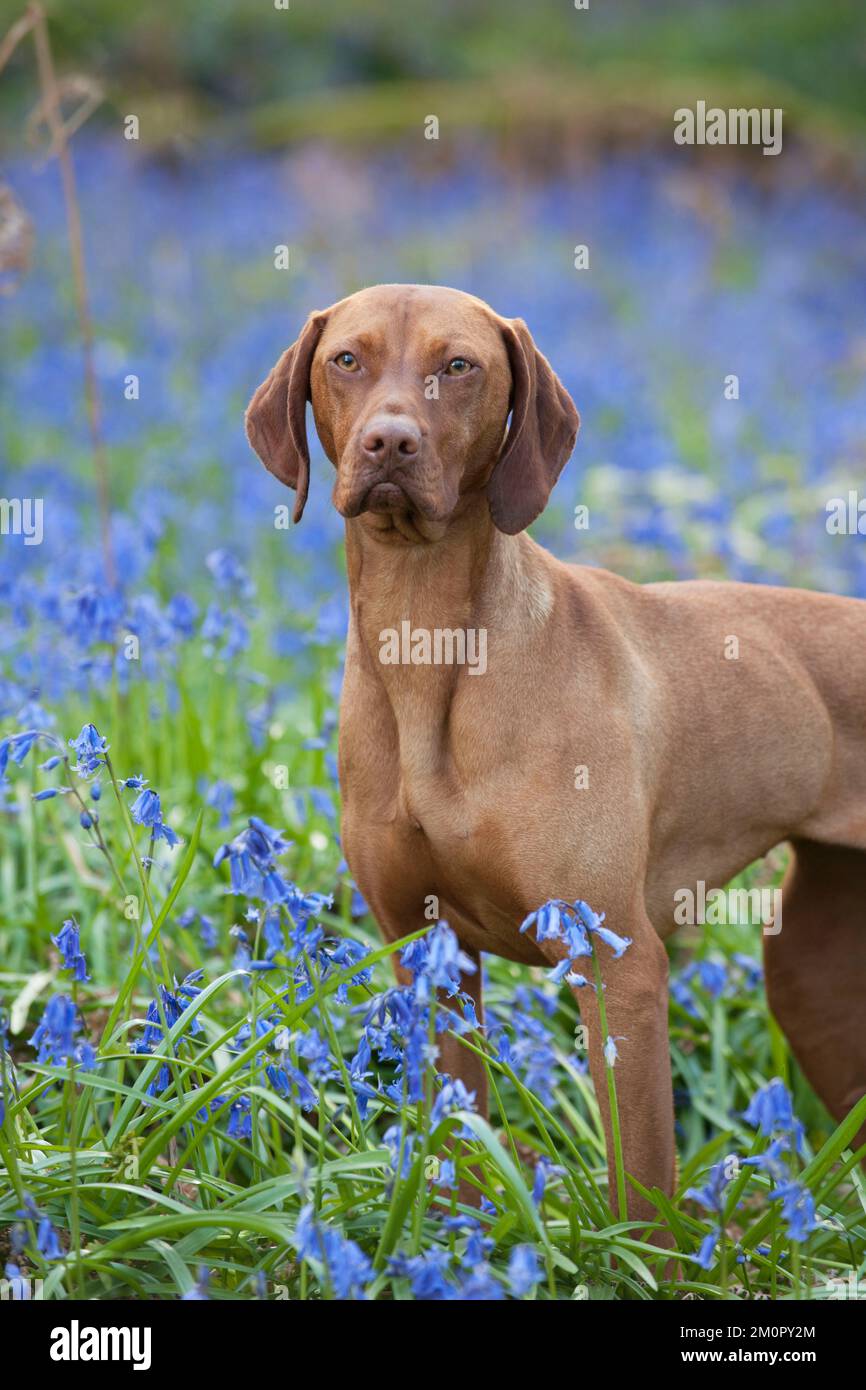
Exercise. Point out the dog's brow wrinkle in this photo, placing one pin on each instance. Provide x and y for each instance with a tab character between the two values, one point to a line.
403	322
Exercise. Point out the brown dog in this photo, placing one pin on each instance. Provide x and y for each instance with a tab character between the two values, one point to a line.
463	789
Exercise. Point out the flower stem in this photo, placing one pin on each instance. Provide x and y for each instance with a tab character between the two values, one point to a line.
611	1092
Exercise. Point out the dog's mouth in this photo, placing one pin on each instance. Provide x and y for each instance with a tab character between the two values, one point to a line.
386	498
382	497
391	512
392	515
404	505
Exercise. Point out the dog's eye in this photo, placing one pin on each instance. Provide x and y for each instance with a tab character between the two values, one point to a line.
458	366
348	361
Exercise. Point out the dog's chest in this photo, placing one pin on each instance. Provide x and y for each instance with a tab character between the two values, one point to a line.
408	812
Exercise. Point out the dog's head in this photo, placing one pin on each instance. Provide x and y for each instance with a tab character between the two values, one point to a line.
422	396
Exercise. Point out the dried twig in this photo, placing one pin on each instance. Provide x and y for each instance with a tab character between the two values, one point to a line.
20	29
33	21
87	93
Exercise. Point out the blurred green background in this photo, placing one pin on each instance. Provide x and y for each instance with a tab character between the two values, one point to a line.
353	69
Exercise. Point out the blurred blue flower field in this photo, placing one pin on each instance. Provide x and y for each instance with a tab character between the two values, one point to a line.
211	1086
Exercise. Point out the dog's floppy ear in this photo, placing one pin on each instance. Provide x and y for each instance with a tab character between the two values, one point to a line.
544	425
276	418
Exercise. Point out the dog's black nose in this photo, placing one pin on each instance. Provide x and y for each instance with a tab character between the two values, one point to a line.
389	438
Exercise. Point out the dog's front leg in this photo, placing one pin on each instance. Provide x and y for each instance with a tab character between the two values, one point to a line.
635	994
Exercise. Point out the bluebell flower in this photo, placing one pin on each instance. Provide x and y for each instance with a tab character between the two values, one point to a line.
447	1175
68	944
229	573
427	1274
359	1075
16	747
55	1037
752	969
711	1195
460	1222
682	994
47	1239
544	1171
798	1209
524	1271
244	1034
481	1286
313	1049
478	1245
572	924
221	797
706	1256
532	1054
452	1096
251	856
207	930
345	1266
199	1291
289	1081
436	961
401	1146
618	944
240	1125
146	809
174	1003
323	803
713	976
182	612
90	749
771	1110
346	953
547	921
774	1158
226	627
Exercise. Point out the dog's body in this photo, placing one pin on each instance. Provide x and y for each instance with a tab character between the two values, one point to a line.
624	742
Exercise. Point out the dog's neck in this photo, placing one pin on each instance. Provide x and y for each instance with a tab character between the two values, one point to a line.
474	580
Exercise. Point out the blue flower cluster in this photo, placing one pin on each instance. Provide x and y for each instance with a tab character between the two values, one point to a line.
771	1113
571	925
